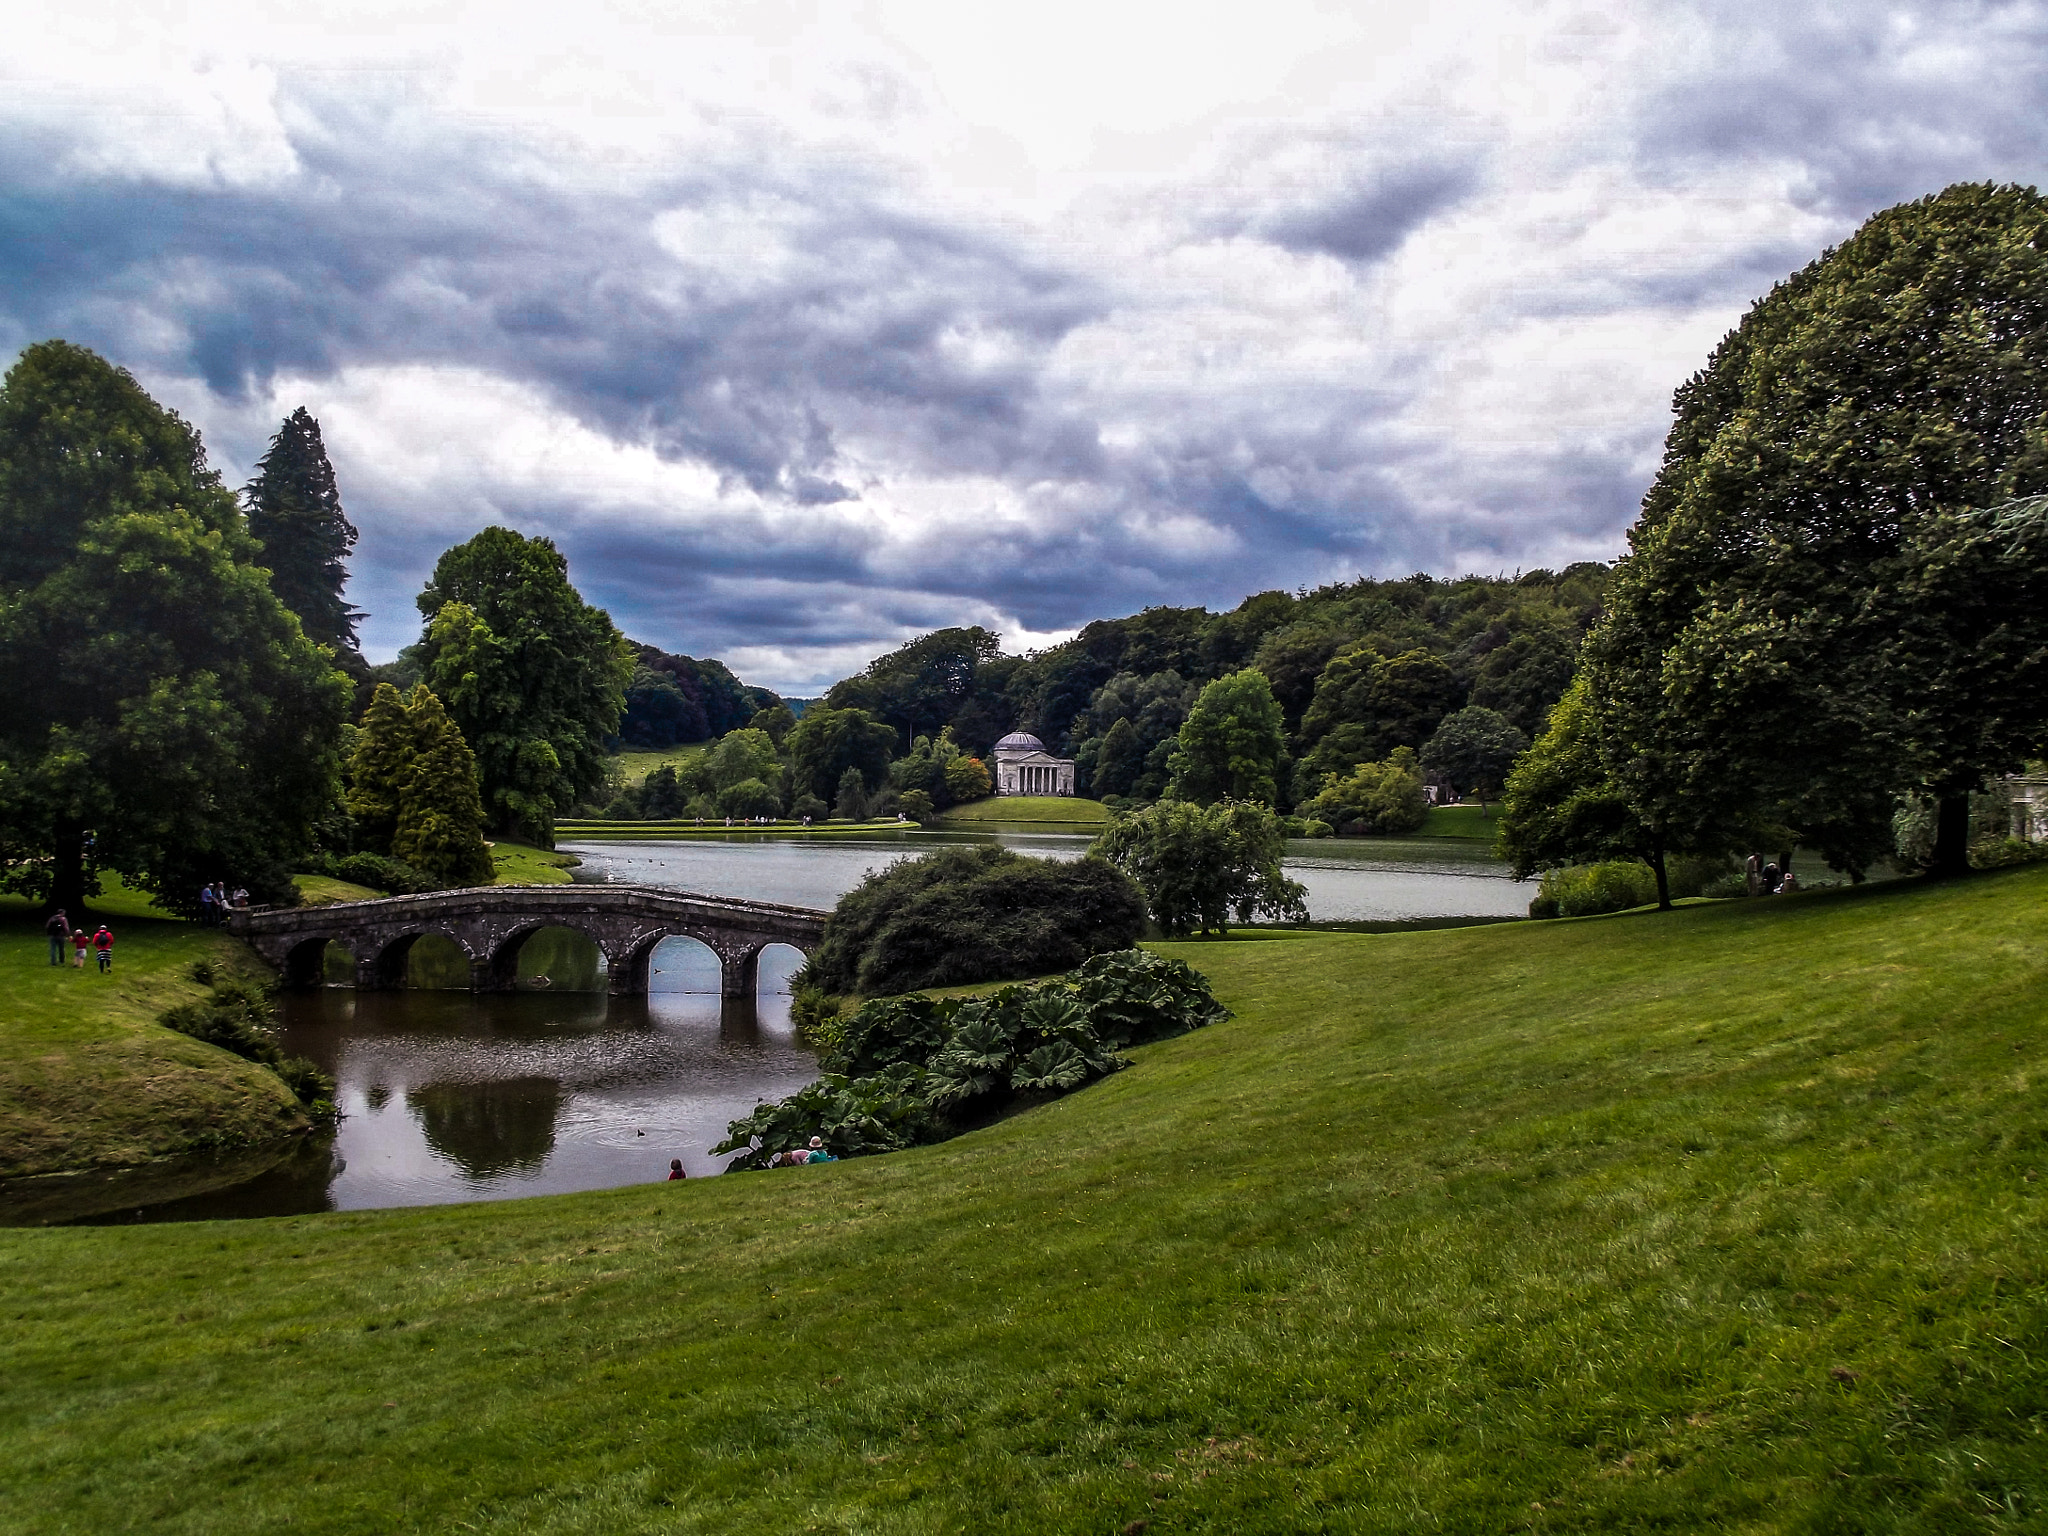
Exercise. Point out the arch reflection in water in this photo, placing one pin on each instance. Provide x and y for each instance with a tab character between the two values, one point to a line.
451	1096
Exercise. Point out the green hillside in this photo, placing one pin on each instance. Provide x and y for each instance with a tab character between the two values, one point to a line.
1726	1219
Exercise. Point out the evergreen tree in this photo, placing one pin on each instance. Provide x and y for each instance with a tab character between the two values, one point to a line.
413	788
1118	763
385	746
154	692
440	826
533	675
295	509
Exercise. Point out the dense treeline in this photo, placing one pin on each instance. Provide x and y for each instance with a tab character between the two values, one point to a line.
1358	670
674	699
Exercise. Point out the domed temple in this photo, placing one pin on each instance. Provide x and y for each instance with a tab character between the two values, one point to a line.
1024	767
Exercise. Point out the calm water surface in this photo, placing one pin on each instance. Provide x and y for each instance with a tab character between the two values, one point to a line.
1348	880
448	1097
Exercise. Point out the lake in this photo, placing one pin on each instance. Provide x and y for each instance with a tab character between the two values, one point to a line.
448	1097
1348	880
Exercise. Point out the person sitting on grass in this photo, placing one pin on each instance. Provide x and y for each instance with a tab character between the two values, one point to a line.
675	1170
103	944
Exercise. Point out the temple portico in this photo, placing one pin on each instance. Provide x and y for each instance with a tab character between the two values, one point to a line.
1024	767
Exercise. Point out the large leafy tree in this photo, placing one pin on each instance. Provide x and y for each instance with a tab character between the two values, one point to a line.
827	743
1367	703
921	686
162	713
1233	744
1808	625
533	675
1474	749
294	507
1200	865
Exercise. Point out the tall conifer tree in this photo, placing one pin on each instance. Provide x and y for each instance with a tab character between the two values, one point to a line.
294	507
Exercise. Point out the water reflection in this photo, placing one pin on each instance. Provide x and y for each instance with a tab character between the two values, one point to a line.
489	1128
447	1096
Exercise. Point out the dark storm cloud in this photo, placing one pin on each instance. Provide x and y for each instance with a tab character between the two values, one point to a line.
1369	220
776	315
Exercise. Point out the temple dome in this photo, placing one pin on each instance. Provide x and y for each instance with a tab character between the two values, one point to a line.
1020	741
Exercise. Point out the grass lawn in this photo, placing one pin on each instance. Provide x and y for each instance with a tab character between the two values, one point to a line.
324	890
618	831
1060	808
523	864
1461	821
1722	1219
89	1078
635	765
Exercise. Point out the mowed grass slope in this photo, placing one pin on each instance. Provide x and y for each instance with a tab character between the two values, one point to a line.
1729	1219
88	1078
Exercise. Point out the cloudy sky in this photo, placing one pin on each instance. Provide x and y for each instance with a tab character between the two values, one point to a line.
803	329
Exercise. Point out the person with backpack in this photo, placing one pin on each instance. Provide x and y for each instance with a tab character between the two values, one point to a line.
103	945
59	929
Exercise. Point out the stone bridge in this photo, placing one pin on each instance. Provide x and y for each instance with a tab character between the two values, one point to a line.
490	923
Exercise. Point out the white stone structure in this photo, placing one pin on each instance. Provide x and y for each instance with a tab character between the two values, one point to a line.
1024	767
2029	807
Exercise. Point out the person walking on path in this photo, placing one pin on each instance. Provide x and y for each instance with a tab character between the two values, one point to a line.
59	929
103	945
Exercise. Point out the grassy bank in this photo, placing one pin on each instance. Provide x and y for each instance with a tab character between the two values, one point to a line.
1065	809
88	1078
1728	1218
689	831
1473	821
523	864
635	765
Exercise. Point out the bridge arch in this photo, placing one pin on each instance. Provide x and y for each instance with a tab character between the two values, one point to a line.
498	969
488	925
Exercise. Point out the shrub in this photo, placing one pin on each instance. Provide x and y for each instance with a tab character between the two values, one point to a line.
973	914
1999	852
809	805
378	871
1587	890
917	805
237	1018
909	1070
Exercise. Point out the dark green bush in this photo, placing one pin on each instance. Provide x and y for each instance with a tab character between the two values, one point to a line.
378	871
1587	890
237	1018
973	914
902	1071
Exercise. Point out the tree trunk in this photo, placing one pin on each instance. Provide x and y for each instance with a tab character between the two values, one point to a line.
1663	880
67	887
1952	836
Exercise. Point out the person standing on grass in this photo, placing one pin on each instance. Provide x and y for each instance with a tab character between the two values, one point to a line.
78	944
103	945
207	910
59	929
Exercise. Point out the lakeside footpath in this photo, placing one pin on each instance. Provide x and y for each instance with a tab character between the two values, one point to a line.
1728	1218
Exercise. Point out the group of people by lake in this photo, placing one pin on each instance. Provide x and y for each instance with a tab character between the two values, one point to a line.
796	1158
63	935
216	901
